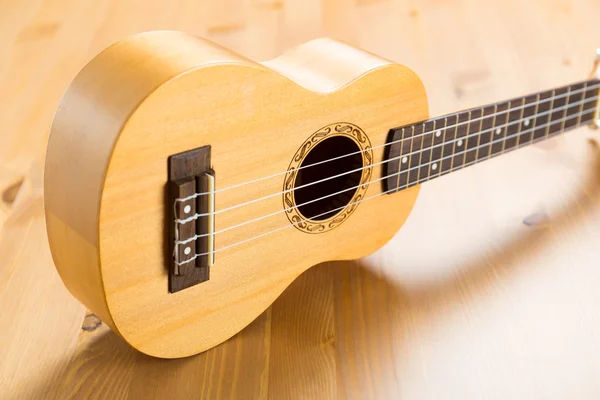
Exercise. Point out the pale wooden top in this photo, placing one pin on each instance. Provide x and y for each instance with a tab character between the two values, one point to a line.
467	301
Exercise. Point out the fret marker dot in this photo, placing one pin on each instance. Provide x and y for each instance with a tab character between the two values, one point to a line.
460	142
438	133
187	251
434	167
187	209
498	131
404	160
526	122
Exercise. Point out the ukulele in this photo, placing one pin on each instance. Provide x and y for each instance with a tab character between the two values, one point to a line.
187	186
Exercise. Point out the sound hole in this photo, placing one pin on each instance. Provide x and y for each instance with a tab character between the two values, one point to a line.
322	203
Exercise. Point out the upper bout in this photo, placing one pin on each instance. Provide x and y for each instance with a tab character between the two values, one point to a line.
90	117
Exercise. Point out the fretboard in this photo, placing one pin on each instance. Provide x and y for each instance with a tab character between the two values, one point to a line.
429	149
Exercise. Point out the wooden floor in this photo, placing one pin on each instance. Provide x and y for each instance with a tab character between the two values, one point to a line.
490	291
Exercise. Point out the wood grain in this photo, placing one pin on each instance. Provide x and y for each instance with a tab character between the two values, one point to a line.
504	308
115	135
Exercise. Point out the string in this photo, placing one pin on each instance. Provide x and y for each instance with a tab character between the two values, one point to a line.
339	208
325	213
384	177
585	89
198	215
517	134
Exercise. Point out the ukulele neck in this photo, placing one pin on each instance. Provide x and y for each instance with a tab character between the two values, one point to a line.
428	149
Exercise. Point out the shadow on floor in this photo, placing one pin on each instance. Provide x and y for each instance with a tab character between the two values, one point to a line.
328	335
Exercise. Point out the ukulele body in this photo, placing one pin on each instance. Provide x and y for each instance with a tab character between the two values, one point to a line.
158	94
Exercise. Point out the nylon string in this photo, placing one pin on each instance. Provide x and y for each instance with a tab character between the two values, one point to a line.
585	89
198	215
562	120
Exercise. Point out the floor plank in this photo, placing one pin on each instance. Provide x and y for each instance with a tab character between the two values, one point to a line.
490	293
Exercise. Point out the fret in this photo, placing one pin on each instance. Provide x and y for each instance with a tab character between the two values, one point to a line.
533	121
448	148
581	100
463	144
437	151
573	111
590	105
472	140
542	118
566	107
527	121
391	152
556	114
479	130
428	139
521	123
414	157
399	171
403	159
458	151
513	127
506	126
487	132
499	128
435	147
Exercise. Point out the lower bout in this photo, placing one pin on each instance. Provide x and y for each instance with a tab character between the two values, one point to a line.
200	331
246	283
